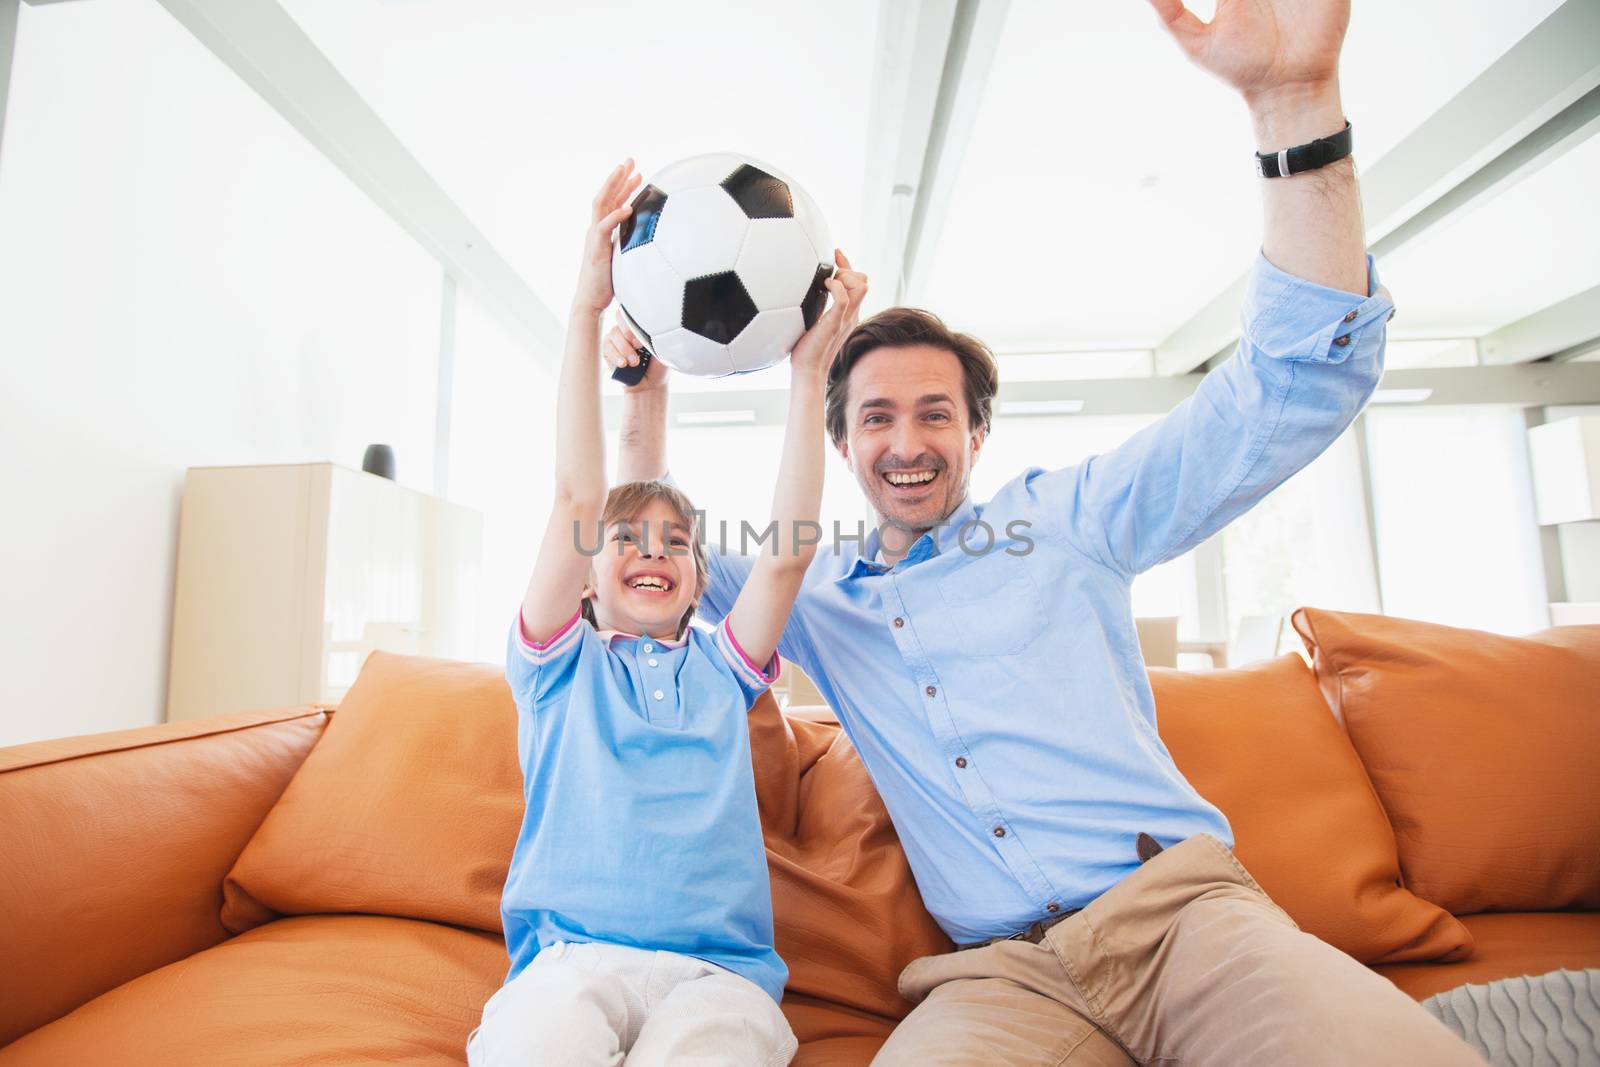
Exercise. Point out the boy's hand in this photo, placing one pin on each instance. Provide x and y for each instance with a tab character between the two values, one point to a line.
611	206
621	349
814	352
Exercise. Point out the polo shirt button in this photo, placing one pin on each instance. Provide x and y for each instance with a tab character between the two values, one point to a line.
1052	908
961	761
999	831
1342	341
931	691
653	662
649	647
898	622
1351	317
658	694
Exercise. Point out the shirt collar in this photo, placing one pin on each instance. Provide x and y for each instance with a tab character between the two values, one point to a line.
932	543
609	636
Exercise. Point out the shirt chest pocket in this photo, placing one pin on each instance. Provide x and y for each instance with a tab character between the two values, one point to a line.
989	607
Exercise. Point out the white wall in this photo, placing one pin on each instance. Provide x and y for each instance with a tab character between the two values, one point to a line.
183	282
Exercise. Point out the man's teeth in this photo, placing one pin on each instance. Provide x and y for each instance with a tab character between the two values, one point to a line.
896	478
649	583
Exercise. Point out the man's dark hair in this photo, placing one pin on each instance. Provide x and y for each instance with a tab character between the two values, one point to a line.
900	328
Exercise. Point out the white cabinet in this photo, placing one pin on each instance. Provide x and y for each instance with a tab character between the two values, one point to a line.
288	576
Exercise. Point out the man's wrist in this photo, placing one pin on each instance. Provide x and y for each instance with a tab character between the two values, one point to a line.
1295	114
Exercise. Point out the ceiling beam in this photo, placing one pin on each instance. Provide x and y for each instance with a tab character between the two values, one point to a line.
934	58
8	48
267	49
1567	328
1514	385
1531	105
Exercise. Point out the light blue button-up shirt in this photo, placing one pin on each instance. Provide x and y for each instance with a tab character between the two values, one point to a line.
641	826
998	698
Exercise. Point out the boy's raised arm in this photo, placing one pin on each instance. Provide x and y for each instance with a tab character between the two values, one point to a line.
759	614
561	569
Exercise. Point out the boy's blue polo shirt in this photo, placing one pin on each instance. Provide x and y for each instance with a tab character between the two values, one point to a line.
641	826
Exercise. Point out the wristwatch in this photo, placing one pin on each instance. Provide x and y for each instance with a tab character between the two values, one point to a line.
1304	157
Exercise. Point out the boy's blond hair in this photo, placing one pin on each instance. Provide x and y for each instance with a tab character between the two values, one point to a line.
624	504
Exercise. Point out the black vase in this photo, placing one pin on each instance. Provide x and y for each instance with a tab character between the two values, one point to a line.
379	460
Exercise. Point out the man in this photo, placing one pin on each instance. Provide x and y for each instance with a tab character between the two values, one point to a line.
984	661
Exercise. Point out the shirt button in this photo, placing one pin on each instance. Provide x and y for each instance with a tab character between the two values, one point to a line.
649	647
1052	908
898	622
1351	317
653	662
1342	341
999	831
658	694
931	690
961	761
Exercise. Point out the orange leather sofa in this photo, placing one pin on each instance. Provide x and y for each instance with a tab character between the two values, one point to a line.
318	886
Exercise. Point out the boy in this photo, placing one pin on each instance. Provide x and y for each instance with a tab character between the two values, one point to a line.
637	910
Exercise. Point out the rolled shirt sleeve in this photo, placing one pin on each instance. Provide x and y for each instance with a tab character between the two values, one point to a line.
1308	359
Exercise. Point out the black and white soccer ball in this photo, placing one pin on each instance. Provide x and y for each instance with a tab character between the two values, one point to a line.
721	266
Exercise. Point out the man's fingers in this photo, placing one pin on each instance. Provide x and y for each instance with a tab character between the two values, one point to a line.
618	352
1180	21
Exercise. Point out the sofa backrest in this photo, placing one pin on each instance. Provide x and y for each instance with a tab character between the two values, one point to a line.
1485	750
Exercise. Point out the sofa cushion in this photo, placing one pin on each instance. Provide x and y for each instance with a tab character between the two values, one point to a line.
339	989
848	914
317	989
1483	750
408	806
1508	944
1260	744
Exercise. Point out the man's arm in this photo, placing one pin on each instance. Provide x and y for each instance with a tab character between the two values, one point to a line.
1282	56
643	453
1311	345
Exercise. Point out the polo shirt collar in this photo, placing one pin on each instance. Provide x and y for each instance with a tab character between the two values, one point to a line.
620	635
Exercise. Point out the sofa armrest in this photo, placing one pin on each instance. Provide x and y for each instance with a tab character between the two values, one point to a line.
113	848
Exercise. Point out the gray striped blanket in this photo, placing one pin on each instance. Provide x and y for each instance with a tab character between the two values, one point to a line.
1552	1020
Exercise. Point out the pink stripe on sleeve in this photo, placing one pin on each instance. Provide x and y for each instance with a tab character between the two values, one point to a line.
544	646
776	664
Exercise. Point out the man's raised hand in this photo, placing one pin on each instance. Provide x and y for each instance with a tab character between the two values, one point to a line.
1261	47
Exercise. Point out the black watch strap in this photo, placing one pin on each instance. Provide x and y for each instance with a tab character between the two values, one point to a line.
1304	157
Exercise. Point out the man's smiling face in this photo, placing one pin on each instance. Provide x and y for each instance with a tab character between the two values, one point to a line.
909	437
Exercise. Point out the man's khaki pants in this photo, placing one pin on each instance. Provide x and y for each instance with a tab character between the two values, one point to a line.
1185	961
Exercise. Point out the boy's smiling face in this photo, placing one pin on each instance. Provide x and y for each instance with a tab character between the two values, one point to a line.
644	580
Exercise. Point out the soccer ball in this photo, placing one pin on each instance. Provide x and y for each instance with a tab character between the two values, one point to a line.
720	268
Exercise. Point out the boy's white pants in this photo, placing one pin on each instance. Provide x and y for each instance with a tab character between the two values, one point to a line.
583	1004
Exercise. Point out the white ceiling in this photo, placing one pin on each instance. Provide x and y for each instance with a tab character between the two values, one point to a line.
1105	195
520	109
